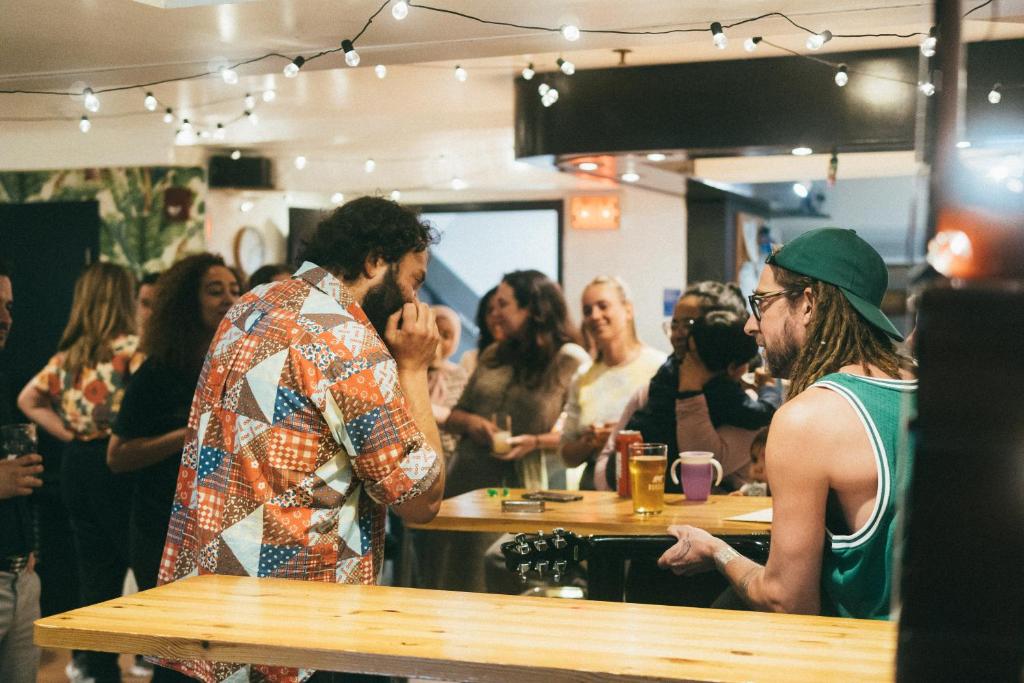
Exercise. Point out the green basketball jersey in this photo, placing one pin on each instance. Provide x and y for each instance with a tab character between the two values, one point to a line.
857	568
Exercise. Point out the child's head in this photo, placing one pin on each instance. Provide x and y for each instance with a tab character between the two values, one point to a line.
756	469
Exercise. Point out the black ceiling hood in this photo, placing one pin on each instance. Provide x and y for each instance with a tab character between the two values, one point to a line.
758	105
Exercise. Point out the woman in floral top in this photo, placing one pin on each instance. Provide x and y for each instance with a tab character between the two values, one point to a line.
76	398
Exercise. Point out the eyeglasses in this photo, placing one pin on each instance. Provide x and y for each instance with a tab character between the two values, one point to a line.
756	299
670	326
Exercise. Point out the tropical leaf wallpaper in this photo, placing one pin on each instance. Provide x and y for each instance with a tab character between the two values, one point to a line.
149	217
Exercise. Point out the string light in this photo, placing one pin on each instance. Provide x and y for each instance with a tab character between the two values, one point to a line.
570	32
566	67
337	198
186	125
995	95
219	132
246	206
254	120
249	101
269	95
150	102
549	98
229	75
92	103
236	154
381	71
300	162
459	184
400	10
460	74
750	44
801	190
927	88
369	165
395	195
842	76
718	36
168	115
351	56
528	72
542	89
818	39
928	44
292	70
84	124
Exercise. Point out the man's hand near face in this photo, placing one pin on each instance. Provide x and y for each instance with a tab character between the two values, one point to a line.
412	337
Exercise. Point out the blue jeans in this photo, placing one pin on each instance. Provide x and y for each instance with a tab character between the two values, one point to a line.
19	607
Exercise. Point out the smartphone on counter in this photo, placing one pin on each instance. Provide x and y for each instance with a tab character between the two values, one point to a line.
553	496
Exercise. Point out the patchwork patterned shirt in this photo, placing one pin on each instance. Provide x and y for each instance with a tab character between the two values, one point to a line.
298	437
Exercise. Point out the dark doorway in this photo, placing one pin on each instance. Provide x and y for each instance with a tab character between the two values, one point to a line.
48	245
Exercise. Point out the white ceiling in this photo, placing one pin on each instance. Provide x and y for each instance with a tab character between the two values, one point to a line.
419	124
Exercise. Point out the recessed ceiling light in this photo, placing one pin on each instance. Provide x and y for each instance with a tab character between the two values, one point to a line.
587	166
963	144
656	156
630	177
802	151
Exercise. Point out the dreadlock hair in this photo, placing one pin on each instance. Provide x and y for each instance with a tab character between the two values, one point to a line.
836	336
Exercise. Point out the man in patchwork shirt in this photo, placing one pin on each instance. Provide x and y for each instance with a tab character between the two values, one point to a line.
311	415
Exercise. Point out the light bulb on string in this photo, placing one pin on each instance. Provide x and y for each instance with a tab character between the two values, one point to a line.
300	162
236	154
542	89
84	124
381	71
254	120
337	198
550	97
186	125
995	95
400	10
929	43
292	69
801	190
150	102
168	115
842	76
218	132
269	95
571	32
528	72
927	88
351	56
460	74
750	44
369	166
818	39
229	75
395	195
459	184
92	103
566	67
249	101
204	134
718	36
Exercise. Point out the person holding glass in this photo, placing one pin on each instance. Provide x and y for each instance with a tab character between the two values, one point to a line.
599	391
76	398
527	376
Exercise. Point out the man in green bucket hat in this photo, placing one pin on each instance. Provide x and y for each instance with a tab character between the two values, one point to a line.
834	447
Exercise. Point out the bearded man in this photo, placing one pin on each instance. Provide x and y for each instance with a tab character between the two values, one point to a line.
834	448
311	415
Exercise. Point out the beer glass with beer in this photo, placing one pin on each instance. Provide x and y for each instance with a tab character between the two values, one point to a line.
500	438
647	463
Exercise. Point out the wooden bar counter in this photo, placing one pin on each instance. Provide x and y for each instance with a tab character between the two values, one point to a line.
600	512
469	636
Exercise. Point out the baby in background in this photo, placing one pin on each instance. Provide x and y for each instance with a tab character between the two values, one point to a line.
758	485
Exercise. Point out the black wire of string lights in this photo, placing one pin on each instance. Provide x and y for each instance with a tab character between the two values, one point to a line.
570	32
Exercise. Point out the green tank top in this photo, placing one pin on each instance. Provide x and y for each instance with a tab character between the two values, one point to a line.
857	567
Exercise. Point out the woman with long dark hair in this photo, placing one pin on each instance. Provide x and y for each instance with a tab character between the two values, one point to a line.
191	300
488	331
76	398
526	376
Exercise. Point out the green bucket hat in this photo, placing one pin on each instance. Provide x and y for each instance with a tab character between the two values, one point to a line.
838	256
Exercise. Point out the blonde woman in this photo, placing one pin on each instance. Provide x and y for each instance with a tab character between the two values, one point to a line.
598	393
76	398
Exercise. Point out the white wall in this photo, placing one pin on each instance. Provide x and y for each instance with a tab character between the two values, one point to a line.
269	215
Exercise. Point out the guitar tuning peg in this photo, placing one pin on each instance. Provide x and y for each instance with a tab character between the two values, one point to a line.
523	569
541	567
559	531
520	538
559	543
559	568
541	544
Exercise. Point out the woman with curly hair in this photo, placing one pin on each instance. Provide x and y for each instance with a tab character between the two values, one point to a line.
76	398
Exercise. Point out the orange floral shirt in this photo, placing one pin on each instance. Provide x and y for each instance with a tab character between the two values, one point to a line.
89	401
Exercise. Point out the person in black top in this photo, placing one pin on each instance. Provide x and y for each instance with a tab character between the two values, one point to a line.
148	436
19	584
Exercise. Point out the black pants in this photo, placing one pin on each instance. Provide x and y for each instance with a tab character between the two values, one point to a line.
97	502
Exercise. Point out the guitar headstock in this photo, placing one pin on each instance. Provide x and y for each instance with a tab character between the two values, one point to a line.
543	554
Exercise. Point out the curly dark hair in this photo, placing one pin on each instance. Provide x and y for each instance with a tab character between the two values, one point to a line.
721	341
484	337
546	330
363	228
175	334
267	273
